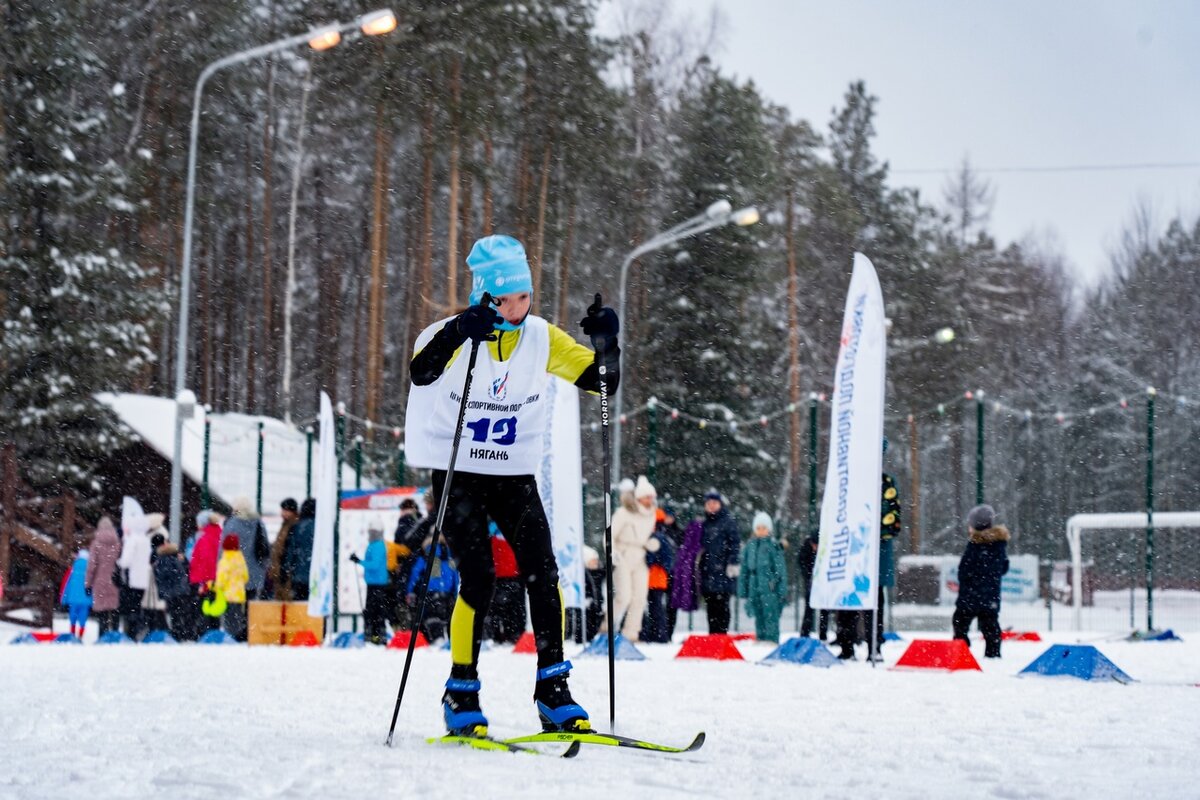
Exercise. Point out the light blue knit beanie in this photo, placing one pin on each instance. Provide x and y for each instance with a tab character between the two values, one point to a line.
498	266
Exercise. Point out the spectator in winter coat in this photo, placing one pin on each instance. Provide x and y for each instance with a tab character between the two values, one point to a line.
411	531
593	589
632	538
443	588
202	572
763	579
812	616
256	547
101	568
375	575
854	626
276	587
154	607
669	531
718	561
297	556
685	578
656	626
233	576
983	565
505	621
135	570
171	579
75	595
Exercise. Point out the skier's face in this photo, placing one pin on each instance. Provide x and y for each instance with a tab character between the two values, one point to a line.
513	307
762	531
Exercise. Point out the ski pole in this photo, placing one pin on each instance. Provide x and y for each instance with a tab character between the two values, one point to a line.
605	471
437	528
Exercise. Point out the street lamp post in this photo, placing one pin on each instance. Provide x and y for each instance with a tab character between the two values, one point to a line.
716	215
372	24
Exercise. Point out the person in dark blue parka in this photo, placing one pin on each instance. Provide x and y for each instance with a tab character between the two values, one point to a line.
721	547
980	571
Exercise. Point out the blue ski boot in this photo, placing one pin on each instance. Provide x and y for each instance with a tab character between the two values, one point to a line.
557	710
460	707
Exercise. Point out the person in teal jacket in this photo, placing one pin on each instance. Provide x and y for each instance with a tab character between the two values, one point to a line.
763	579
375	575
76	596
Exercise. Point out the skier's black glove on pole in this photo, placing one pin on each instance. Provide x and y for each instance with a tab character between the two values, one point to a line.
602	326
479	323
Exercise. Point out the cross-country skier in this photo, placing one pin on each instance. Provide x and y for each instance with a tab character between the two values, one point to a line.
501	451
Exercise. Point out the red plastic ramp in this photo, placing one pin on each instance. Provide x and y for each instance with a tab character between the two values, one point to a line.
526	644
304	639
952	655
1020	636
400	640
714	645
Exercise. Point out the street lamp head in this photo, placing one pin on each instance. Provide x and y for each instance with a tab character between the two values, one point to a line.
745	217
944	336
325	38
378	23
185	401
718	209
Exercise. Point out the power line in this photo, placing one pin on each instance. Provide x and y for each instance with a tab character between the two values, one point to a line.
1068	168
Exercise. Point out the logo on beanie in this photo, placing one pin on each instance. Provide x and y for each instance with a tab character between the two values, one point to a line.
499	388
499	280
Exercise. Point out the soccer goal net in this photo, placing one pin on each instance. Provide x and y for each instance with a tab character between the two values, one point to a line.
1117	583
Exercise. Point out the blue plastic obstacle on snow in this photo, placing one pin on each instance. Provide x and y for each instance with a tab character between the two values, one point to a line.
213	637
802	650
623	649
114	637
1165	636
1076	661
348	640
25	638
892	636
159	637
67	638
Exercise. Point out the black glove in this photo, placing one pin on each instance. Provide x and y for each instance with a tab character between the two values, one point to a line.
601	325
354	557
479	322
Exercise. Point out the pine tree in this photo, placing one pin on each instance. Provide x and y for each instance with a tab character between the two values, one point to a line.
696	355
75	309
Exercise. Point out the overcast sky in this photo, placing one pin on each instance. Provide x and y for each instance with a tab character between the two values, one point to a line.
1014	84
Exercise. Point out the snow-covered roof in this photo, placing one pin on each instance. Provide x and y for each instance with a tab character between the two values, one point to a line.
233	448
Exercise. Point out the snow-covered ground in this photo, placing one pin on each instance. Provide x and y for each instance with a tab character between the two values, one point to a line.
194	721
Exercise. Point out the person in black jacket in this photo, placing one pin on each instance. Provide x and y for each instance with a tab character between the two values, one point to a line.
983	565
297	554
171	579
812	616
718	561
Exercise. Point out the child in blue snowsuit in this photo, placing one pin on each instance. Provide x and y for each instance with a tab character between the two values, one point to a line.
375	575
76	596
443	589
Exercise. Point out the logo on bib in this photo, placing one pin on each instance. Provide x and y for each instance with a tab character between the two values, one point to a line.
499	388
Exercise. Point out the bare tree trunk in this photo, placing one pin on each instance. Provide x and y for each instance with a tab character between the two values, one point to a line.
378	257
453	180
245	299
356	365
329	297
522	207
424	286
539	239
269	304
793	356
465	220
489	159
564	263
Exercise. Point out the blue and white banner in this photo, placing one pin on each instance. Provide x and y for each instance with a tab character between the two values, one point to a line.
846	575
560	485
320	573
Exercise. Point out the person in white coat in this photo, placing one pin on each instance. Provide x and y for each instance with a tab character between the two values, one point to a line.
632	537
135	565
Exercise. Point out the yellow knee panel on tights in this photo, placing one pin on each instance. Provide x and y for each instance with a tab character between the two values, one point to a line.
462	633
